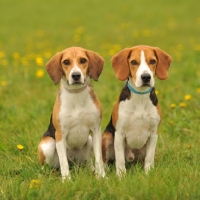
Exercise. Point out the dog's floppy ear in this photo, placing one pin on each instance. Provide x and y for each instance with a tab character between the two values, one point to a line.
54	68
96	63
120	64
164	61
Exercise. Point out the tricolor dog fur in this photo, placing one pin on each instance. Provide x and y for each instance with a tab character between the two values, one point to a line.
131	133
74	129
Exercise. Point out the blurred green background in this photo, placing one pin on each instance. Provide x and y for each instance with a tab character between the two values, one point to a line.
31	32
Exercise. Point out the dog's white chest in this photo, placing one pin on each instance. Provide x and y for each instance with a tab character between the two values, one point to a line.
78	117
137	121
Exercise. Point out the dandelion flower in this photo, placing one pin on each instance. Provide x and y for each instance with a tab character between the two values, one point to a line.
34	184
187	97
189	146
3	83
4	62
39	61
157	92
180	47
2	54
47	54
198	90
40	73
76	38
20	147
16	55
172	105
182	104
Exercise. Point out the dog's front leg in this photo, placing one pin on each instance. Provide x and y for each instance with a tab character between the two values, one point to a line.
150	152
62	154
97	140
119	145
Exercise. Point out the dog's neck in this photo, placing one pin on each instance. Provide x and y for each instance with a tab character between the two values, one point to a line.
75	88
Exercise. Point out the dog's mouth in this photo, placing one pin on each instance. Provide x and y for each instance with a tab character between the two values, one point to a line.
146	85
77	83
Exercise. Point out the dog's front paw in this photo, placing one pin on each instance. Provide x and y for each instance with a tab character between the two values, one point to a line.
100	173
147	168
99	170
66	178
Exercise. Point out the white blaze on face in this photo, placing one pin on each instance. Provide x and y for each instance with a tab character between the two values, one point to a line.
74	70
143	69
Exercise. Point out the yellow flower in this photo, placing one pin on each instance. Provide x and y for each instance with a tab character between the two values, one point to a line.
157	92
2	54
182	104
180	47
20	147
39	61
189	146
198	90
40	73
172	105
187	97
111	52
16	55
47	54
4	62
34	184
3	83
76	38
146	33
116	47
79	30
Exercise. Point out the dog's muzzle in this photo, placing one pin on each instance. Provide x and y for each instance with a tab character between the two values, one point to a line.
146	78
76	76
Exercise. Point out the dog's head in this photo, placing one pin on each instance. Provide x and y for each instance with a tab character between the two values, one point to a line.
74	65
140	63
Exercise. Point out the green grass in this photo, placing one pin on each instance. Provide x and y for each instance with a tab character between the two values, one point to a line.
36	30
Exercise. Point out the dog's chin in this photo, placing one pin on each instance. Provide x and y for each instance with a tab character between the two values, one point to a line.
143	85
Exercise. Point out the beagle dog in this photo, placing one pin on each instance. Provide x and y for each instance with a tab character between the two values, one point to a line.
76	112
131	133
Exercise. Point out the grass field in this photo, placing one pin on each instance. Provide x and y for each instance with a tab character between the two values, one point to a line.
33	31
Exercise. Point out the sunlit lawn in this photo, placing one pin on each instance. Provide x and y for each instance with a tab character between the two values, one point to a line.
31	32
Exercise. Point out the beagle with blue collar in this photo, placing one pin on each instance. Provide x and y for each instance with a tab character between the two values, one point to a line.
131	133
74	128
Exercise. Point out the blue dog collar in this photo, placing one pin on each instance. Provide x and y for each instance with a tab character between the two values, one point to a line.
137	92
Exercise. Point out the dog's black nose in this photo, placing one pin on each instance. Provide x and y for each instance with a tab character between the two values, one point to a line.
76	76
146	78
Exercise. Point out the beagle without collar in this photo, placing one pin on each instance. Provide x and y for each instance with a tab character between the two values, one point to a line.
76	112
131	133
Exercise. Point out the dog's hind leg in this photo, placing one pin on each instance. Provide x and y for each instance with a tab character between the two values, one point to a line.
47	152
108	152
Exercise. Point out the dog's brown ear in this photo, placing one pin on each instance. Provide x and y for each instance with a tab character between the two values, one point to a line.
54	68
96	63
120	64
164	61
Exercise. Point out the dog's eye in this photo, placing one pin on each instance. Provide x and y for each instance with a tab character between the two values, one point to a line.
66	62
134	62
152	62
83	60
